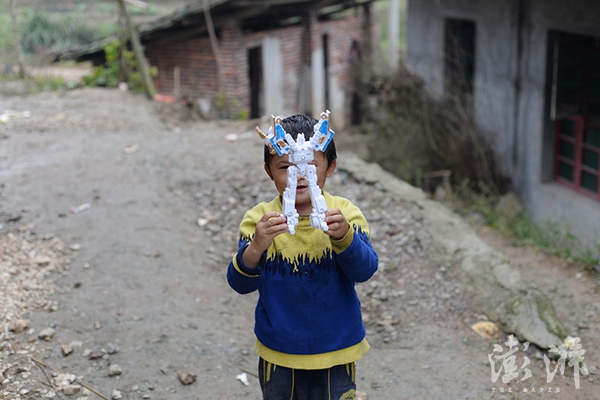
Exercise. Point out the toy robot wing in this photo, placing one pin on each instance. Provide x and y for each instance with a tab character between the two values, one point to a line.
323	133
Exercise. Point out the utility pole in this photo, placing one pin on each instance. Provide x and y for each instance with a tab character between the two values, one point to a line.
138	51
394	33
17	38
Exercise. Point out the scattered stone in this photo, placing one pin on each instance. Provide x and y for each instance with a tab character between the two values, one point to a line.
46	334
71	390
186	378
19	325
66	349
63	380
26	259
14	218
42	261
487	329
112	348
116	394
96	355
114	370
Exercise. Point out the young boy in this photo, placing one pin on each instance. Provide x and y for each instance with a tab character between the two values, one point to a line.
308	321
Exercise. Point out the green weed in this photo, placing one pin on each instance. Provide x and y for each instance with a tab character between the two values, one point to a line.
51	83
121	66
514	223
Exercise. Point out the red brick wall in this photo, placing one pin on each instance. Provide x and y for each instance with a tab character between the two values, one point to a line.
198	69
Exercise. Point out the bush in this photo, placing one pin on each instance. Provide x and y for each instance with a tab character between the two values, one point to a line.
120	66
413	133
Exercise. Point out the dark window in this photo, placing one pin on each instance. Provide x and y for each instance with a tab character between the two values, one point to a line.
459	52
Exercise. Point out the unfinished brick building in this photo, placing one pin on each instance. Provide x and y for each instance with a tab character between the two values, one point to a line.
274	56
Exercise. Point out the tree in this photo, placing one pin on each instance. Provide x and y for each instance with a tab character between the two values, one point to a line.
17	38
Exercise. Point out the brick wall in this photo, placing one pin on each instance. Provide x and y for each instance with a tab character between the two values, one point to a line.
198	69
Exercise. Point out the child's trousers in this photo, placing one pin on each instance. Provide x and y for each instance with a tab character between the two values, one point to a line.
281	383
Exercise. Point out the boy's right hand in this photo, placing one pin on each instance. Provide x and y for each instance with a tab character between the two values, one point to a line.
270	225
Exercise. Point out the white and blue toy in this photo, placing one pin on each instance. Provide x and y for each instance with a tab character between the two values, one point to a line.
301	153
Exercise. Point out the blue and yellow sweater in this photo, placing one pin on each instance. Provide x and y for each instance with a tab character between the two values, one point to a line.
308	314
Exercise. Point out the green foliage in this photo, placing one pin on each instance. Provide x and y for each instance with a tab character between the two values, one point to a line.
42	32
107	29
120	66
230	108
7	46
109	74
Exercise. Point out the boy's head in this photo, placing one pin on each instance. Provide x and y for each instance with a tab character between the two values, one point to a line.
296	124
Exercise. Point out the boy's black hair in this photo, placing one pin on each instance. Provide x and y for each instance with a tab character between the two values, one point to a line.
300	123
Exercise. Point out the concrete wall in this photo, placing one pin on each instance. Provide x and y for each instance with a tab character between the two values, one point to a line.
511	89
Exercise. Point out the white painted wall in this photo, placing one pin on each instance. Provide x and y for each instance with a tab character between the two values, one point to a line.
273	77
318	81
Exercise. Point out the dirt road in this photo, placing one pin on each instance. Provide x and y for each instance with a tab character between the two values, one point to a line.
148	206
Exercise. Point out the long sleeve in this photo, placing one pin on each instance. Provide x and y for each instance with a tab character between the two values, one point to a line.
240	277
355	255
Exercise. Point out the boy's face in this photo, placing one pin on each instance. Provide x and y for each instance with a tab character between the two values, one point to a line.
277	171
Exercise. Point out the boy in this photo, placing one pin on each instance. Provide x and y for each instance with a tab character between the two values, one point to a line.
308	321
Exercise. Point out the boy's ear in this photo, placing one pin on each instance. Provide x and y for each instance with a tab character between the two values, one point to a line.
268	171
331	168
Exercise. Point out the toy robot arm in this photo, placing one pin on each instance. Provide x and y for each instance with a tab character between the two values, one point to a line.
289	199
319	206
275	139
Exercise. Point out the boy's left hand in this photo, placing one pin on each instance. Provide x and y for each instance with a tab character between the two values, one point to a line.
338	226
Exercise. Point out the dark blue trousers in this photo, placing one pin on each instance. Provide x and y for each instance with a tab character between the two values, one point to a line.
281	383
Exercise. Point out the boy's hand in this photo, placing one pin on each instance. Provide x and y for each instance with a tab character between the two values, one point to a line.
338	226
270	225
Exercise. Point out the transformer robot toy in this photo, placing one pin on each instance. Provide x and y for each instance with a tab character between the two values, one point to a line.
300	153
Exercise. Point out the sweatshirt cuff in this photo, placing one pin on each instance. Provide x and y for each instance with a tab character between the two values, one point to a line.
238	264
339	245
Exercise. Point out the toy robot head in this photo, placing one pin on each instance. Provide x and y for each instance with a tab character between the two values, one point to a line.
295	125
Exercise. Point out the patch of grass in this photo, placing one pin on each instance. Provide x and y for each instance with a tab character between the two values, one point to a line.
51	83
514	223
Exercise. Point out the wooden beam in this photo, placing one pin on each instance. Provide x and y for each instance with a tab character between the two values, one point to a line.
214	43
139	52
